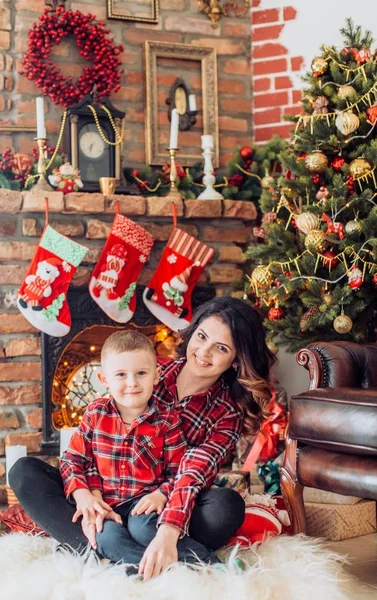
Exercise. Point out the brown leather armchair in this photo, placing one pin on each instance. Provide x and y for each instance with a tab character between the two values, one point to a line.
332	434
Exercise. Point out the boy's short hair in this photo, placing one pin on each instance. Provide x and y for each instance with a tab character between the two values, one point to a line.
126	340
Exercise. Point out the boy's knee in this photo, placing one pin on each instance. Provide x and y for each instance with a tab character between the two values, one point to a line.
108	536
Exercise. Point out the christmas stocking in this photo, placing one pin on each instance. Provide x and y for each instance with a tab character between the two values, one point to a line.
113	281
168	294
42	296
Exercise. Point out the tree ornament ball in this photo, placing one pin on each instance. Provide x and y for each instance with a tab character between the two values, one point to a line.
331	261
276	313
267	181
328	298
316	162
347	122
359	167
342	324
274	348
315	241
246	152
353	227
346	91
319	66
307	221
261	277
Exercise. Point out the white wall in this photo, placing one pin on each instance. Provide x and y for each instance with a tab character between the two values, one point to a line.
293	378
318	22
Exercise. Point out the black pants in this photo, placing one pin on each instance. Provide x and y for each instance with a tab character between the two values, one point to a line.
39	488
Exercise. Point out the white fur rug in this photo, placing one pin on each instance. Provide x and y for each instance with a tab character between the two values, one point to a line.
283	568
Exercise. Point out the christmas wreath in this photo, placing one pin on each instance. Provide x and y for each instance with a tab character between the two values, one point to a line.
104	72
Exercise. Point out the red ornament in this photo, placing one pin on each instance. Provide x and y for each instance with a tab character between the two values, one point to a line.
337	163
275	313
104	71
355	278
246	152
372	114
302	156
374	280
316	178
331	261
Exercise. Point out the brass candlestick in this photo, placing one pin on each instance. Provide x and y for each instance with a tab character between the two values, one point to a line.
173	194
42	183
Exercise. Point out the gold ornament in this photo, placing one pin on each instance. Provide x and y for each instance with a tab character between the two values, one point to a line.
342	323
316	162
347	122
261	277
267	181
346	91
315	241
307	221
359	167
328	298
353	227
272	347
319	66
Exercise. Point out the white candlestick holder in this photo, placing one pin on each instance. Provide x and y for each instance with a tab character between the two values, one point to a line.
209	193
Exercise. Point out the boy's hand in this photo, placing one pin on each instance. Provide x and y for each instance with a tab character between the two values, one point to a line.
93	511
151	502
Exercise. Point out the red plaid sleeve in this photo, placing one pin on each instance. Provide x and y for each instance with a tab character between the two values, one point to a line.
77	466
174	449
198	469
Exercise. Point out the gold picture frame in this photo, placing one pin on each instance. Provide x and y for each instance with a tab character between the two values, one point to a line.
17	129
126	10
156	152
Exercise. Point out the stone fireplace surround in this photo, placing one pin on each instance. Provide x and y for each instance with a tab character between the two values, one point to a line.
225	225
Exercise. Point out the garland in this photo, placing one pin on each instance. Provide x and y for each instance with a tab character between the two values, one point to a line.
105	70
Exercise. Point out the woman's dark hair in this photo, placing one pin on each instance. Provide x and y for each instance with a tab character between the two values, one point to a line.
249	383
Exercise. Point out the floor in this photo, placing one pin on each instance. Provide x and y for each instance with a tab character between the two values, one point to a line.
362	554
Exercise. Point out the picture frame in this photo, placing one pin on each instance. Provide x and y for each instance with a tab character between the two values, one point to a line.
162	61
17	129
143	11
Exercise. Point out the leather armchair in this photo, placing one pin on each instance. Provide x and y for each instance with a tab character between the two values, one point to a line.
331	439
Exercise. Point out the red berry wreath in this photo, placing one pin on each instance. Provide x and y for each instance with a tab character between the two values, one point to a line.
104	72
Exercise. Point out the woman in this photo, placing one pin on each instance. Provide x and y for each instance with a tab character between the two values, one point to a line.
220	386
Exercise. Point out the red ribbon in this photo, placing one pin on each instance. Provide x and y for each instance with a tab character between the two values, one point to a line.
265	445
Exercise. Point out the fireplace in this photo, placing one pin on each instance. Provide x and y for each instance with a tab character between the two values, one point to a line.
77	355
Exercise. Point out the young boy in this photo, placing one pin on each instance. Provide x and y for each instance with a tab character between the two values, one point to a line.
121	463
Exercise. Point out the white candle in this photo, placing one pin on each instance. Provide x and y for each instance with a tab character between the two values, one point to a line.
12	454
65	437
41	130
174	129
207	141
192	102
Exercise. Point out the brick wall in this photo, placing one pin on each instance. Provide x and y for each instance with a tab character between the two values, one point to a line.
272	69
224	225
180	21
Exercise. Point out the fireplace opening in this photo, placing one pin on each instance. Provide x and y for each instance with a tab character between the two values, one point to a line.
69	364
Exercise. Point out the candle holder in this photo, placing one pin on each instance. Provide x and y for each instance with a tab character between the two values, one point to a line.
42	183
173	193
209	179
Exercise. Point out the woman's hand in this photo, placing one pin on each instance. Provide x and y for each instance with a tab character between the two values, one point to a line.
161	552
151	502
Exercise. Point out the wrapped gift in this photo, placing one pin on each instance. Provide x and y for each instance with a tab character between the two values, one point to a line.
236	480
323	497
340	521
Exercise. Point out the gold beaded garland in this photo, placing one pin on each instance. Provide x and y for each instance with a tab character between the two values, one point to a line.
119	138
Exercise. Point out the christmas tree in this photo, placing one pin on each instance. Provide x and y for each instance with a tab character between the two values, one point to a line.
315	264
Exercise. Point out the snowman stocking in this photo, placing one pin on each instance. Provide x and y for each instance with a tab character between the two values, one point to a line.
113	281
42	297
168	294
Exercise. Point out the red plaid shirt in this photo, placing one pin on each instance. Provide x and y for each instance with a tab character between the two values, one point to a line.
212	424
102	455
